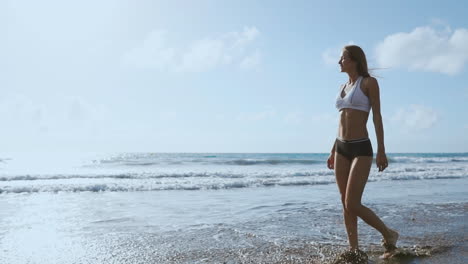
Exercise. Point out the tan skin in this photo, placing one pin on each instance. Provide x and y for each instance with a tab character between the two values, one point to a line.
351	176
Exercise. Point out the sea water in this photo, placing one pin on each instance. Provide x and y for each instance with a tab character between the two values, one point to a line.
216	207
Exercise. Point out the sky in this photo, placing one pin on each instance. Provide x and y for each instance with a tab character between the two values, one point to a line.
225	76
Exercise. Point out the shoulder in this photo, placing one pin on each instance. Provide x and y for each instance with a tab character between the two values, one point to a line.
370	84
370	81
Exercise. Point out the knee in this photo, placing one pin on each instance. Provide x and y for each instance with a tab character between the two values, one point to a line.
352	207
343	201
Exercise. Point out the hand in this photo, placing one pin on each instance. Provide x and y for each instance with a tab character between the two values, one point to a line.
331	161
381	161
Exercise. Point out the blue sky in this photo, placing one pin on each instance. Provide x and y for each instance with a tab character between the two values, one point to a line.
219	76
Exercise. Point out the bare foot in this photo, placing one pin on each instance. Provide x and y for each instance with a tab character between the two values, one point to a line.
387	255
389	242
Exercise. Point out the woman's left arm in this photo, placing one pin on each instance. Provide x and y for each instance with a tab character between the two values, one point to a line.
374	97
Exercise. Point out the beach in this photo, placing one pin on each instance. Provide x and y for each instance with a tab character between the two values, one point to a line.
225	208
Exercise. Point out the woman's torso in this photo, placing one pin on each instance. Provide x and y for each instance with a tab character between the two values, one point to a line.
353	122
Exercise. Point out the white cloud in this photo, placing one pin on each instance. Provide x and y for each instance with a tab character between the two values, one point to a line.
79	110
328	118
294	117
426	49
167	115
251	61
152	53
331	56
233	48
243	38
219	117
203	55
257	116
28	116
415	117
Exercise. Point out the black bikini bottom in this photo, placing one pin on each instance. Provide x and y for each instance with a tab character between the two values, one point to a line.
354	148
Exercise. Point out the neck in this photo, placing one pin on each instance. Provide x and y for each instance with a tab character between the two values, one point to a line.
353	76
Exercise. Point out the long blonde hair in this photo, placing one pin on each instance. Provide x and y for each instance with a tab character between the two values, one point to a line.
357	54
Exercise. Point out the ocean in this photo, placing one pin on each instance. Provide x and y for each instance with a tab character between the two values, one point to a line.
222	208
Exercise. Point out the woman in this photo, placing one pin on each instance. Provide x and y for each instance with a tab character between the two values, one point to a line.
351	156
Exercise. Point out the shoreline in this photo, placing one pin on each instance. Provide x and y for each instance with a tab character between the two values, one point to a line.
287	224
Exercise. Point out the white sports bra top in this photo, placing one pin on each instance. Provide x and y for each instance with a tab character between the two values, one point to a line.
354	99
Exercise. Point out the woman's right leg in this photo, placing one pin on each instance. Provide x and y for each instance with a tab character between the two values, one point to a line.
342	168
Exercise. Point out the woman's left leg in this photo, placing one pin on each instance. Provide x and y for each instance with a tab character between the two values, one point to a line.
359	173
